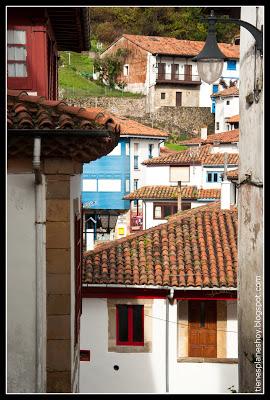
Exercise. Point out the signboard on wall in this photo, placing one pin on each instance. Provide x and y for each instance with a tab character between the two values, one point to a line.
179	174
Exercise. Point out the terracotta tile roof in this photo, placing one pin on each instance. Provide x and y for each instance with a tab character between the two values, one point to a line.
233	174
196	248
171	192
198	156
234	118
130	127
170	45
222	137
35	113
229	92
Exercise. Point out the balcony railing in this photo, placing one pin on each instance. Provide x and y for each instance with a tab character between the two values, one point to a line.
178	78
136	222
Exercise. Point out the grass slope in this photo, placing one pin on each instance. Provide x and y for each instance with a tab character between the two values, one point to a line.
174	146
72	83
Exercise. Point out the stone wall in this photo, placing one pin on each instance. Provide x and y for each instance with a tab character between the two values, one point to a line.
175	120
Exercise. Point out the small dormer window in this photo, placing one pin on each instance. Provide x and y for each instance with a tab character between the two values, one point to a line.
126	70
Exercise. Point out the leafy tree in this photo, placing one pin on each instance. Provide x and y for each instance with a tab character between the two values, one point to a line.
109	23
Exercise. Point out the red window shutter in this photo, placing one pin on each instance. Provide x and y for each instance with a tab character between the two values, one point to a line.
78	273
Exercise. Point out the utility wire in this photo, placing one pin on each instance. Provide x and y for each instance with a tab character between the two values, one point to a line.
178	323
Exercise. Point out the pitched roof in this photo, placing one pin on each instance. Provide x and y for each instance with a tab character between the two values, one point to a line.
130	127
196	248
171	192
222	137
34	113
229	92
234	118
233	174
173	46
200	155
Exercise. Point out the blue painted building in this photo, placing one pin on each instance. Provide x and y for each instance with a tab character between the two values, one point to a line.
107	180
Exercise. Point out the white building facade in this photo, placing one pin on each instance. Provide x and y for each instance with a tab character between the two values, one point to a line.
165	366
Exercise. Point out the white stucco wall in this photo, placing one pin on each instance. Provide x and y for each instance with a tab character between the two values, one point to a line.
251	199
226	148
21	284
143	155
148	220
224	111
206	89
145	372
213	185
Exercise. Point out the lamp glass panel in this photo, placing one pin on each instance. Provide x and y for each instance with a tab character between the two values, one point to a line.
210	70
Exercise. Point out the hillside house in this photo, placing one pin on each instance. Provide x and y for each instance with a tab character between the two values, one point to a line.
233	122
199	170
47	144
159	202
162	69
107	180
162	307
222	142
201	167
227	105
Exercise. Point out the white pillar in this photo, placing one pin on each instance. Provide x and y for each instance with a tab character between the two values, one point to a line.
225	195
204	133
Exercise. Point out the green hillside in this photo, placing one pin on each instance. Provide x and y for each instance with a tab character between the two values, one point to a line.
75	78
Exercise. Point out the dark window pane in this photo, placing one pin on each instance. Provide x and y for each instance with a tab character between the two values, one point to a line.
215	177
136	162
137	324
167	210
209	177
123	322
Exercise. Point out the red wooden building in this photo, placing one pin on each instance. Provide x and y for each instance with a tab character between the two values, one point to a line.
34	36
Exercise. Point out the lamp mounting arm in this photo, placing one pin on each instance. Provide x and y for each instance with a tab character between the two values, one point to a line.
255	32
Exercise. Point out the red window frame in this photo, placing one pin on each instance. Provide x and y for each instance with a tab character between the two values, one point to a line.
78	273
27	81
130	341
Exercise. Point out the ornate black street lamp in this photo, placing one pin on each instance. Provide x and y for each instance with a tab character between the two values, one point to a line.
210	60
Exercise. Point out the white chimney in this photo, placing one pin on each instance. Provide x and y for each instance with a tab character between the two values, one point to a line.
225	195
204	133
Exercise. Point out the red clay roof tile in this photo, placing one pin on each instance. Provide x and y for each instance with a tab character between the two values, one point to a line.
170	45
222	137
171	192
200	156
196	248
230	91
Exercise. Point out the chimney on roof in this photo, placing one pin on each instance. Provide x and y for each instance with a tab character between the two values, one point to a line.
225	199
204	133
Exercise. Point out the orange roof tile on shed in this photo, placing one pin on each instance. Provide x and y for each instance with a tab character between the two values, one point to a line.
99	133
198	156
222	137
234	118
233	174
173	46
229	92
171	192
196	248
130	127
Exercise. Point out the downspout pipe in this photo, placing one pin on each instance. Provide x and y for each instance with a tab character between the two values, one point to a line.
40	221
169	301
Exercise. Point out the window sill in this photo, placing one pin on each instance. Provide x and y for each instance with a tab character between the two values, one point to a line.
207	360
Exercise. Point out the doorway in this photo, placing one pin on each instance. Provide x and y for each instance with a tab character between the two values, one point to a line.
178	99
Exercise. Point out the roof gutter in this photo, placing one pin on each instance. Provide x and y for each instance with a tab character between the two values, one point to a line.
51	133
90	285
